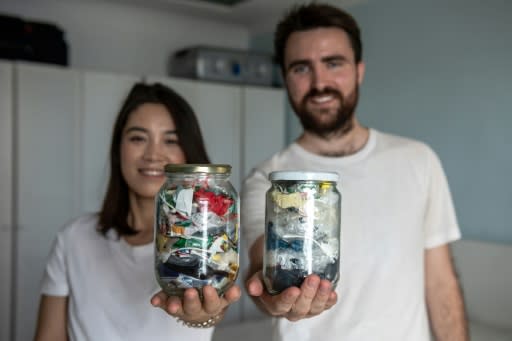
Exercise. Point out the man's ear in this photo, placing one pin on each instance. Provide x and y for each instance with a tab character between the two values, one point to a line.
361	68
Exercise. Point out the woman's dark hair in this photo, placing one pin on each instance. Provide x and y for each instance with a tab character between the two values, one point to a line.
311	16
116	206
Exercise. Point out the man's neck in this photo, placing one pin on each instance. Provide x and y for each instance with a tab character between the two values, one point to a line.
336	145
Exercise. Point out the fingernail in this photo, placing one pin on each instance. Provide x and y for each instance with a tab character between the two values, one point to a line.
312	282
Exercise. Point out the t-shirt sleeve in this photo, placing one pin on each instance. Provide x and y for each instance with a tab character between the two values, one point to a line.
441	225
253	206
54	282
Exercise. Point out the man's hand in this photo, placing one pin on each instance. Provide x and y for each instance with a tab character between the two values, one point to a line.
312	298
191	308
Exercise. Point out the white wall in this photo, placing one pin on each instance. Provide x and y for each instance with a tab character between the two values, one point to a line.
440	71
125	38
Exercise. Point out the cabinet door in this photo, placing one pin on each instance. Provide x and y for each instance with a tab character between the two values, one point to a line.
46	176
218	109
263	125
103	94
263	131
6	158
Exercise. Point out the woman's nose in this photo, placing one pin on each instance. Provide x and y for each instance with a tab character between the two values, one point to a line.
153	151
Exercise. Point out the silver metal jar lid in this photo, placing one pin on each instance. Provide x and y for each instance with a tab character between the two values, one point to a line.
298	175
198	168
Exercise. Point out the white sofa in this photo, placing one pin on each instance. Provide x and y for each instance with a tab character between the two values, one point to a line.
485	270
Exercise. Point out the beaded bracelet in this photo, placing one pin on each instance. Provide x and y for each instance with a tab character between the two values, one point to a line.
205	324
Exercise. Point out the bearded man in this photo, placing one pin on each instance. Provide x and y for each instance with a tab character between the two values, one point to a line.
397	277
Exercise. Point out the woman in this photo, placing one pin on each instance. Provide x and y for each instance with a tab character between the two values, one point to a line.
99	279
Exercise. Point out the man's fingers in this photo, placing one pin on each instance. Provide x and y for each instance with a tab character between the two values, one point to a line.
331	301
282	303
254	285
302	306
319	303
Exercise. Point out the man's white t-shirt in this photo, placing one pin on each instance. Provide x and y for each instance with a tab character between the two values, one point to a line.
109	284
395	204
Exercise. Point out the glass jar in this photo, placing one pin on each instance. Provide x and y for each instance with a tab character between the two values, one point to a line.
302	229
196	229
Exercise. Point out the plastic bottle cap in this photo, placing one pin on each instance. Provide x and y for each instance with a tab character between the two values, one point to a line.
299	175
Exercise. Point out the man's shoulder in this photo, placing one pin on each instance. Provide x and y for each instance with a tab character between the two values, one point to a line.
399	143
277	160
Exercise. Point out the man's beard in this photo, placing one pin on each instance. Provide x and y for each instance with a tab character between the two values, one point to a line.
339	124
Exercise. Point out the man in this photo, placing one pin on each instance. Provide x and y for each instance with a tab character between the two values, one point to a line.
397	213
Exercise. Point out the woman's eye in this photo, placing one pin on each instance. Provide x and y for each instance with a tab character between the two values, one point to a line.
136	138
171	141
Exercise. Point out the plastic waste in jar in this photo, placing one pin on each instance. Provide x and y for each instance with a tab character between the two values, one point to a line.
302	233
196	229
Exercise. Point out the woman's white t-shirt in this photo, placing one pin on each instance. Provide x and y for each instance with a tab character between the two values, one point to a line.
109	284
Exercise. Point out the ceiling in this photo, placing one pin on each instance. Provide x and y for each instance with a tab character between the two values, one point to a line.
255	15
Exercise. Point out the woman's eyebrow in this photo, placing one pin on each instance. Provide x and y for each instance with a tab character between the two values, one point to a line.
140	129
144	130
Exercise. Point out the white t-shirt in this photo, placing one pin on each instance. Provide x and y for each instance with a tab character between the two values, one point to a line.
395	204
109	284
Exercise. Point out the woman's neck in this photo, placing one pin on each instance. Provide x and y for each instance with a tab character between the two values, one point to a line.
140	218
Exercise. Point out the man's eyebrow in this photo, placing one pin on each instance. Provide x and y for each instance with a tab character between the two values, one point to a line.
335	57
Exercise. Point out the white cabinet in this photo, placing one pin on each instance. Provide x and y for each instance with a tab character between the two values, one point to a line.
45	176
6	205
263	125
102	97
55	132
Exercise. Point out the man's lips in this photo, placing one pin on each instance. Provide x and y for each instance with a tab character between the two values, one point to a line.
320	99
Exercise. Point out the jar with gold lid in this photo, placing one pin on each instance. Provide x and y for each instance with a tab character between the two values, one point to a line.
196	229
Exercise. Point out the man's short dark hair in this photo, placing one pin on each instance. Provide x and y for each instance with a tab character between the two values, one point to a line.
311	16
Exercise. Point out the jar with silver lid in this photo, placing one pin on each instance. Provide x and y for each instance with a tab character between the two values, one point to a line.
302	228
196	229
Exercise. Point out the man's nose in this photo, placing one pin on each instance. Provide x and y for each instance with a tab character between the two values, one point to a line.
320	79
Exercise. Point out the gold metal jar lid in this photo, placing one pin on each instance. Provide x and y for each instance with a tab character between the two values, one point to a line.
198	168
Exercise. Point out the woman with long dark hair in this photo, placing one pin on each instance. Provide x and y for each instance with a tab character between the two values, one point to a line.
99	280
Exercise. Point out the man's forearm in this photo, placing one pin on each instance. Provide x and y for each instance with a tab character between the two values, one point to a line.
447	314
444	298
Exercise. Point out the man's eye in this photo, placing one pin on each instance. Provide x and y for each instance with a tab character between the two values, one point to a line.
334	63
299	69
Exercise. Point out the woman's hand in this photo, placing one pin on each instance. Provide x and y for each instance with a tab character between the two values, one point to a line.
191	310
